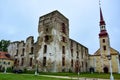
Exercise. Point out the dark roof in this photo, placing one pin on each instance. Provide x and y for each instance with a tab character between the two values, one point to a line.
4	55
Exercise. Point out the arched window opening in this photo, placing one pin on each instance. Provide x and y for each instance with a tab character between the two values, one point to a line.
45	48
63	28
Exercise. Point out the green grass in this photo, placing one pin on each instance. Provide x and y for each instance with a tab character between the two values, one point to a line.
87	75
33	77
102	75
25	77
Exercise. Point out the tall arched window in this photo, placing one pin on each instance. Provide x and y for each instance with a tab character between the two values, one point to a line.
46	38
63	61
104	47
32	50
103	40
63	28
31	61
44	61
71	62
63	49
45	48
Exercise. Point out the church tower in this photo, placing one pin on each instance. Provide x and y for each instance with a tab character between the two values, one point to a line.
99	62
103	36
104	43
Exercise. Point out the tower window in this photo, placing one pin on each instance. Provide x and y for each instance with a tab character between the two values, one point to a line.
103	40
63	49
104	47
30	61
63	38
72	52
63	61
44	61
63	28
71	62
46	38
45	48
32	50
46	29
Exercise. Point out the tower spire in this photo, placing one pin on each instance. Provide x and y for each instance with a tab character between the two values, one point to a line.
102	22
103	31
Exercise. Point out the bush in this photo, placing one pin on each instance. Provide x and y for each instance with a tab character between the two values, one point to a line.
29	71
9	69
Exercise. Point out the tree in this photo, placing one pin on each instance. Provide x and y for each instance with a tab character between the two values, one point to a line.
4	44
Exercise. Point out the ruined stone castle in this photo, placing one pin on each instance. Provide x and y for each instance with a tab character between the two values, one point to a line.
53	51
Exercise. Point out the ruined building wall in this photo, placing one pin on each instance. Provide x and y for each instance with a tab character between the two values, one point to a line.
53	51
79	57
29	49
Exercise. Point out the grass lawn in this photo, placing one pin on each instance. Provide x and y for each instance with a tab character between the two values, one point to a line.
87	75
33	77
102	75
25	77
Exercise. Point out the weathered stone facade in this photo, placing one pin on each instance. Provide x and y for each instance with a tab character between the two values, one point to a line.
100	63
53	51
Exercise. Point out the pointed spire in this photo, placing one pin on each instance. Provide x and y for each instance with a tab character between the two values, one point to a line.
102	22
101	16
103	31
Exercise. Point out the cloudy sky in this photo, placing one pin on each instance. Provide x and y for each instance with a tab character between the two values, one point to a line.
19	19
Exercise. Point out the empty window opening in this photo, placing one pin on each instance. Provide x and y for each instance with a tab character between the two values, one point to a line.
71	62
63	28
46	38
45	48
32	50
63	49
104	47
22	61
44	61
63	61
30	61
103	40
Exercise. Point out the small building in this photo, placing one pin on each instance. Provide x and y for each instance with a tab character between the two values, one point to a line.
5	60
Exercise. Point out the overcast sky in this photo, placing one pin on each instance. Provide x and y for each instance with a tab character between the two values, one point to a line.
19	19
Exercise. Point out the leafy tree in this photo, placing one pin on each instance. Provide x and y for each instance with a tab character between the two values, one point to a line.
4	44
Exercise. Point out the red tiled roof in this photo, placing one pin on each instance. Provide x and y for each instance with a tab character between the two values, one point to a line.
3	56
